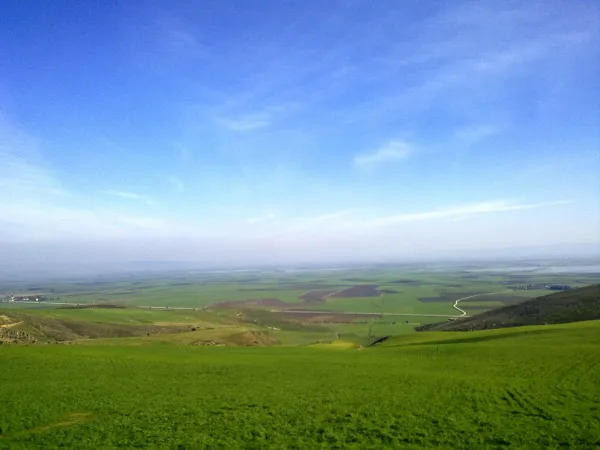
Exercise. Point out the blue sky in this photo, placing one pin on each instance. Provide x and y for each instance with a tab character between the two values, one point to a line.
296	131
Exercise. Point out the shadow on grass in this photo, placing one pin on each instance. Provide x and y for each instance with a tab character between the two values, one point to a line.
468	340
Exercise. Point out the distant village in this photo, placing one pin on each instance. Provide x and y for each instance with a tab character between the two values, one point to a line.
24	298
550	287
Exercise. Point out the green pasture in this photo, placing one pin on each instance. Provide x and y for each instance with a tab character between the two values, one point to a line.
528	387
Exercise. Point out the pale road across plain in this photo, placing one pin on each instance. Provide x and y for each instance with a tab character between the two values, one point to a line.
302	311
305	311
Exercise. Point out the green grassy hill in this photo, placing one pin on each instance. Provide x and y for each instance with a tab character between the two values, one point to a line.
33	328
135	326
529	387
561	307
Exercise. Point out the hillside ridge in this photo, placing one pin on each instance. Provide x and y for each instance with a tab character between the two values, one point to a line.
562	307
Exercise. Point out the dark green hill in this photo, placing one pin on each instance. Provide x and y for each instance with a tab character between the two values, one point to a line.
562	307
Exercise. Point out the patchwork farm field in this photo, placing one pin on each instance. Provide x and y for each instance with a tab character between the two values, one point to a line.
531	387
358	304
405	289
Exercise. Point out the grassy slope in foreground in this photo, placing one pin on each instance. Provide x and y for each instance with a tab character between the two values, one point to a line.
532	387
562	307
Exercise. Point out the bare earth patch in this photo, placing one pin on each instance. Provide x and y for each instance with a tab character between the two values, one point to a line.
326	317
315	295
358	291
244	339
268	302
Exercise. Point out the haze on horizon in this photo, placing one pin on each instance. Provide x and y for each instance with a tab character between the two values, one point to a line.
287	131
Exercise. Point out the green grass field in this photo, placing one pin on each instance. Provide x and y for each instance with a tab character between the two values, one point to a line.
533	387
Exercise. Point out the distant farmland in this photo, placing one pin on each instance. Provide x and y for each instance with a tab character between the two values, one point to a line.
506	299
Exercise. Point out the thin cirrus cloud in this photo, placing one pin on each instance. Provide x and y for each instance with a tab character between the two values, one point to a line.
391	152
323	218
131	196
23	178
78	223
474	134
248	122
176	183
345	220
456	212
171	37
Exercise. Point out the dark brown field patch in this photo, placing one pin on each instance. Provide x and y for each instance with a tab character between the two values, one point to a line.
262	302
358	291
293	287
315	295
389	291
327	317
252	338
313	286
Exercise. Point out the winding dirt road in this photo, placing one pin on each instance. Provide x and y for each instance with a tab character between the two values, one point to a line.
462	311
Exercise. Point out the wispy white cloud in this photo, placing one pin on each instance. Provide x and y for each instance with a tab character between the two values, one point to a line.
363	223
476	133
176	183
459	57
60	223
23	177
184	152
327	217
455	212
36	205
527	52
390	152
130	196
177	38
248	122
